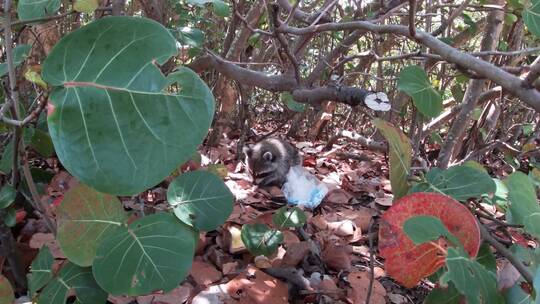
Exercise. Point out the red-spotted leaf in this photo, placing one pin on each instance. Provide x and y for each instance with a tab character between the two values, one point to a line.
85	218
408	263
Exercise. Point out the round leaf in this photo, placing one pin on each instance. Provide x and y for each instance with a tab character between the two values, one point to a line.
20	52
460	182
473	280
85	218
113	126
531	17
221	8
424	228
10	216
200	199
153	253
41	270
521	197
32	9
42	143
73	277
408	263
400	156
287	218
6	291
414	81
287	99
260	240
7	196
86	6
193	37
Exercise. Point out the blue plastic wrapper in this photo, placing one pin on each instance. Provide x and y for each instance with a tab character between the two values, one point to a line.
303	188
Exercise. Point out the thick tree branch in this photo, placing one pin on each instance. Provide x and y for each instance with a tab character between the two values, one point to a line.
273	83
455	135
483	68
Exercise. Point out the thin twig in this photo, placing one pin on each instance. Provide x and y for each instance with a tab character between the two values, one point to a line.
412	12
291	13
42	103
323	12
534	73
36	201
447	22
246	23
371	261
527	275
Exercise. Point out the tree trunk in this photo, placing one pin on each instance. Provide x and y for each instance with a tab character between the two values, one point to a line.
473	91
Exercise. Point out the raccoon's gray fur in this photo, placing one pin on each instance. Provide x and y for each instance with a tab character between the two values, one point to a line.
269	161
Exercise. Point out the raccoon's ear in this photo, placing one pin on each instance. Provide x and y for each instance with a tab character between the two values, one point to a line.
247	150
268	156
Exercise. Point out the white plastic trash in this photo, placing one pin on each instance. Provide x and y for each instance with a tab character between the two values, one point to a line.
303	188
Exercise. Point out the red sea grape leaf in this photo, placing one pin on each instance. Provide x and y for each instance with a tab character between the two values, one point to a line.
408	263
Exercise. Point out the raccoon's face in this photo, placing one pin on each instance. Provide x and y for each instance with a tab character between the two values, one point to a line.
260	164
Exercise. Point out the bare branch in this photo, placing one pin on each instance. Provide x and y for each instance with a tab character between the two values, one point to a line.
483	68
412	13
447	22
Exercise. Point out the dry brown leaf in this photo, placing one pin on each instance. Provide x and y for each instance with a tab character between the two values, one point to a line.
337	256
338	196
262	262
229	268
254	286
203	273
507	276
290	237
385	201
359	281
295	254
343	228
120	299
232	238
176	296
329	287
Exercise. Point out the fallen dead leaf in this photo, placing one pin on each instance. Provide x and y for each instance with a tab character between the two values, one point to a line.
359	281
262	262
329	287
120	299
203	273
229	268
255	286
231	235
295	254
507	276
337	256
215	294
385	201
176	296
338	196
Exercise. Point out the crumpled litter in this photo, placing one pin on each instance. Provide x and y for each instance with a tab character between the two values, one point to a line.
303	188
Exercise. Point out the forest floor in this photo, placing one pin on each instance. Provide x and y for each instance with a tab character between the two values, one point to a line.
327	261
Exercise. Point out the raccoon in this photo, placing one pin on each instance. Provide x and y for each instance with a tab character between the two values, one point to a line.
269	160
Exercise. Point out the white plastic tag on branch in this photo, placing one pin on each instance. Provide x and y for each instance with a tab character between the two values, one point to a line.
377	101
